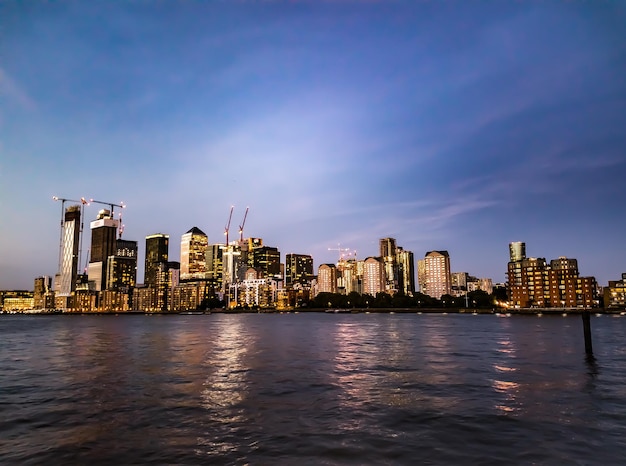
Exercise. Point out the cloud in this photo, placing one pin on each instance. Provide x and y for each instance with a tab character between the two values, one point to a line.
14	91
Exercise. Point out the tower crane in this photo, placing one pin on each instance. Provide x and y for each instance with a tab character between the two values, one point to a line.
340	250
121	205
242	225
83	202
228	224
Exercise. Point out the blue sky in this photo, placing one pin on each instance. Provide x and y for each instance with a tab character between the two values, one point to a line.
447	125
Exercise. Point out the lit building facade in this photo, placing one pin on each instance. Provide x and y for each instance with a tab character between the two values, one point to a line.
434	274
103	239
388	252
406	271
374	276
157	250
70	244
298	270
122	267
327	278
615	293
532	282
193	252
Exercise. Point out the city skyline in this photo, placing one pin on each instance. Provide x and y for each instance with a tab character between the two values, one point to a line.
446	126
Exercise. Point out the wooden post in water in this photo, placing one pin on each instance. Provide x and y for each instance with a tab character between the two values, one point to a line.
587	329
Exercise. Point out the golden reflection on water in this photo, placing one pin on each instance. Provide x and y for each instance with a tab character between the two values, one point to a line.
503	366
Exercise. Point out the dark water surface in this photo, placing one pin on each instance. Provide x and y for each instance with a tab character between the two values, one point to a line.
311	388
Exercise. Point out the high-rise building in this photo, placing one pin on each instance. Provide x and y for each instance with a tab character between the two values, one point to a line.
406	271
193	252
69	252
532	282
327	278
388	251
103	238
42	293
157	250
373	276
298	270
122	267
517	251
214	265
266	260
434	274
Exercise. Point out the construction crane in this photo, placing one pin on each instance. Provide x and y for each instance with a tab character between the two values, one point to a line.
110	204
340	250
121	205
83	202
228	224
242	225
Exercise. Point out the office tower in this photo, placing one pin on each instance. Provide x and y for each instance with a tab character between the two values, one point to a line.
266	260
373	276
434	274
517	251
69	251
327	278
103	237
214	265
298	270
388	251
193	250
388	247
122	267
41	291
406	271
167	278
157	250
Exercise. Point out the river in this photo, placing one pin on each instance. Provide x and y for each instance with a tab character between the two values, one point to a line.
311	388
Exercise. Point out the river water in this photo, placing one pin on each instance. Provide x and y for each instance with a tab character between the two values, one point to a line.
311	388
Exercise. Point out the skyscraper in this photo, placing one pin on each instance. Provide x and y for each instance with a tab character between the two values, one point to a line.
193	251
157	250
373	276
298	270
406	271
388	251
103	238
327	278
69	252
517	251
434	274
122	266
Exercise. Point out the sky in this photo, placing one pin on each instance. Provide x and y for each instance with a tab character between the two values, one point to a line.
448	125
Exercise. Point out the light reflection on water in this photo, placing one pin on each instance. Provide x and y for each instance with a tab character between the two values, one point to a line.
310	389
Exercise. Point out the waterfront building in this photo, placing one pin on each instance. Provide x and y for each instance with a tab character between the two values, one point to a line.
215	265
16	300
193	252
434	274
43	296
122	267
191	296
374	276
157	250
327	278
517	251
406	271
532	282
298	271
266	260
388	252
349	276
103	239
615	293
70	244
